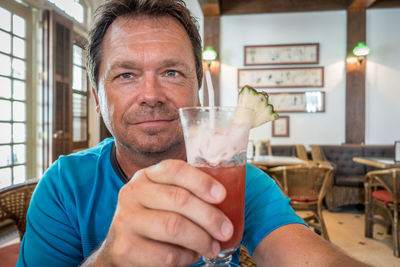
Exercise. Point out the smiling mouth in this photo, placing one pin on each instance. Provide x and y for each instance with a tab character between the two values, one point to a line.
153	122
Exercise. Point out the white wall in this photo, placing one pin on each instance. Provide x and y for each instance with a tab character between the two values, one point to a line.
329	30
383	76
326	28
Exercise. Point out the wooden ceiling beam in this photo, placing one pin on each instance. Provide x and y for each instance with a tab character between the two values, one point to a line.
210	7
361	3
231	7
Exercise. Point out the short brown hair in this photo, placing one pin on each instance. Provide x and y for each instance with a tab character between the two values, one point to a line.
112	9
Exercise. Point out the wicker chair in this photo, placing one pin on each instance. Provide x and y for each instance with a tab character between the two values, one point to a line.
263	147
245	259
316	153
306	185
301	152
14	202
382	196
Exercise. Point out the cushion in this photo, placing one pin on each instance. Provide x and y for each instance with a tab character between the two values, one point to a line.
303	194
383	195
354	180
379	151
9	254
283	150
342	157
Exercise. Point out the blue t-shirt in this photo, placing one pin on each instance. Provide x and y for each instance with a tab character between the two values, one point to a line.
73	205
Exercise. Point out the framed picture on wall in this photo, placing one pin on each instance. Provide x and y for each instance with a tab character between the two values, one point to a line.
280	127
310	101
281	77
397	151
281	54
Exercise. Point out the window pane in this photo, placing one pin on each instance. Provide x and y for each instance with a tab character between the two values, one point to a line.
19	68
79	126
5	156
5	177
5	19
19	110
5	133
19	26
77	55
5	43
77	78
19	154
19	132
19	90
5	110
5	87
79	105
5	66
19	47
19	174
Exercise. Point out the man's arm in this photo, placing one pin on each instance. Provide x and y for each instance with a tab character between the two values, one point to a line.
296	245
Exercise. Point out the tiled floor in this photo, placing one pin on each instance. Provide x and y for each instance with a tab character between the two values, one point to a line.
346	230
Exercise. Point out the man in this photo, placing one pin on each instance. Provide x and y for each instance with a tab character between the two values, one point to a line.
133	200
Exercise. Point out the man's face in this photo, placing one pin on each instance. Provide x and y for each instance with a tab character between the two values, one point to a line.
147	72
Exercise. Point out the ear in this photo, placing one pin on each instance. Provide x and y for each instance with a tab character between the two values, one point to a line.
96	99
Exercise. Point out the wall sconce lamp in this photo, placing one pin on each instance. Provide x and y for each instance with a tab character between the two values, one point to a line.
360	51
209	55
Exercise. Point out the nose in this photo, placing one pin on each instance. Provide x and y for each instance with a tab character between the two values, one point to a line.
151	92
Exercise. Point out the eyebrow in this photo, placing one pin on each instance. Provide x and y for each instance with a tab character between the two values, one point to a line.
123	65
163	64
173	63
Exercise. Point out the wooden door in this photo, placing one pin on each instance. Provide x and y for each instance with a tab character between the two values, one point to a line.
57	86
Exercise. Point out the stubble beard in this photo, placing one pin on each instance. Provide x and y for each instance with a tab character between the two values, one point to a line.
151	143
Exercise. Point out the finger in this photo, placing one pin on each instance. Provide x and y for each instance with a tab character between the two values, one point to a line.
145	252
169	227
179	200
180	173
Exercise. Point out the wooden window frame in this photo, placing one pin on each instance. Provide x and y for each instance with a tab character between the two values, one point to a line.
30	149
81	42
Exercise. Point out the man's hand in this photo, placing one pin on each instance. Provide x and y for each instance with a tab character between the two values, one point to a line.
165	217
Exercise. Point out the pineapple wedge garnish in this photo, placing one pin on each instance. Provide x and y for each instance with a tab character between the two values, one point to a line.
258	101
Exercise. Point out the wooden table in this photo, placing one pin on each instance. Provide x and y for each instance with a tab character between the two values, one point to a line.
383	163
274	161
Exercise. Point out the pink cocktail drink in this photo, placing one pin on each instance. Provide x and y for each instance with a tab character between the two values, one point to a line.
234	180
216	142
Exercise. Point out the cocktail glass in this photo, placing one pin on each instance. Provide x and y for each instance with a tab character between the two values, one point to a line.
216	142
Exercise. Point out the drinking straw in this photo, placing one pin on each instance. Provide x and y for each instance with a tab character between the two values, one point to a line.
210	98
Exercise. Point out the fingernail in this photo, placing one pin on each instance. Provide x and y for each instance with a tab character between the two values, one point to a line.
215	248
217	192
226	229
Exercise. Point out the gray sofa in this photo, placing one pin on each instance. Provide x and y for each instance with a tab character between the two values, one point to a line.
348	177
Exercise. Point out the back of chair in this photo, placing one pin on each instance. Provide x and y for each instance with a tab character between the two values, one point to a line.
316	153
387	179
263	147
301	152
14	203
306	181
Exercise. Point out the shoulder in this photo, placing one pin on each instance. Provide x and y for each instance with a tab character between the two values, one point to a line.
76	169
257	179
92	154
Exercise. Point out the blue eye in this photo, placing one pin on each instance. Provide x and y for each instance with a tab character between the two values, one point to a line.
171	73
126	75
